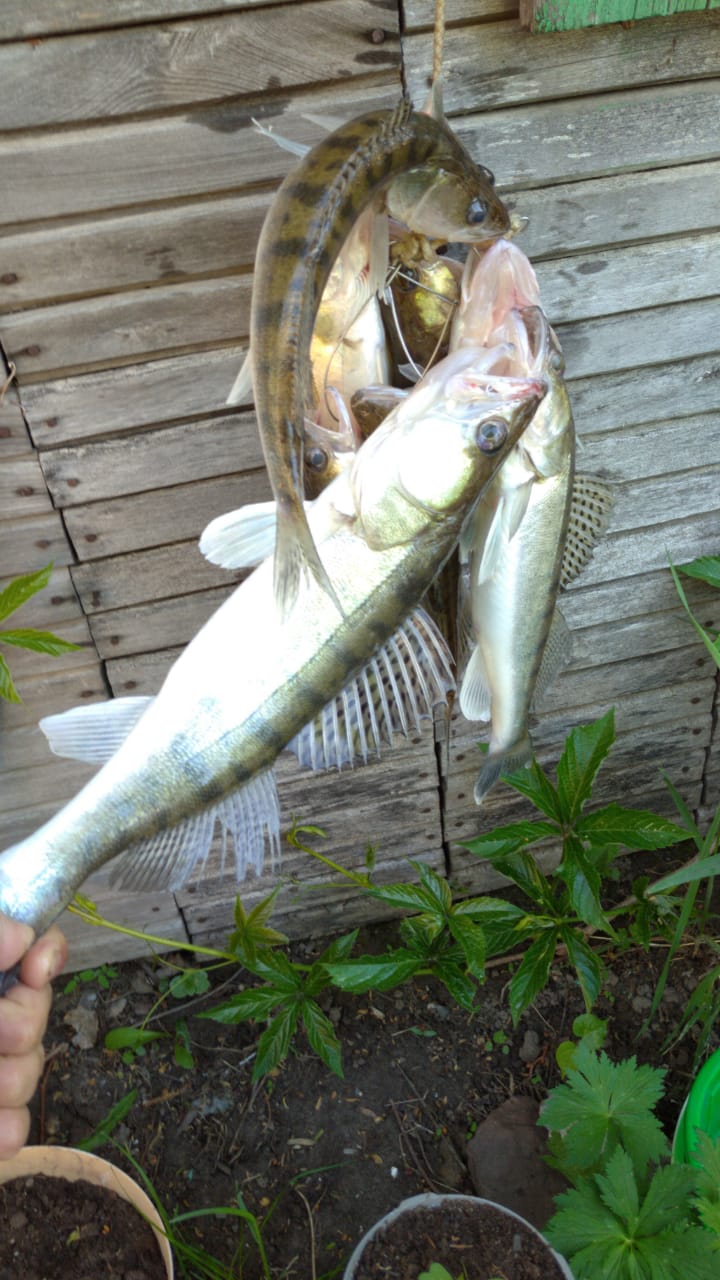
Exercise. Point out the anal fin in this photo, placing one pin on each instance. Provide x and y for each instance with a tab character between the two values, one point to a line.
94	732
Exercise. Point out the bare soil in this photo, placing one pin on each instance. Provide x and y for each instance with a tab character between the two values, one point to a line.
317	1157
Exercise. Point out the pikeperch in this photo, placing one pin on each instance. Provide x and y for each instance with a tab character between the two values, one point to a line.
432	185
249	685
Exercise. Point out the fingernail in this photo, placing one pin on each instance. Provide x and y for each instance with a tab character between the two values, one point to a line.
55	962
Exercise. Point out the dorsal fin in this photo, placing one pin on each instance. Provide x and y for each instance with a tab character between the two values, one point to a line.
393	693
590	508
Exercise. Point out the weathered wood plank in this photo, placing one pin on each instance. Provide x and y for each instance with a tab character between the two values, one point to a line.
149	68
141	576
656	500
608	684
14	438
49	692
419	15
654	337
148	912
499	64
156	246
120	400
140	520
52	607
58	17
22	487
610	210
653	449
549	15
635	396
140	673
633	637
145	323
127	326
30	543
637	596
640	550
153	459
110	166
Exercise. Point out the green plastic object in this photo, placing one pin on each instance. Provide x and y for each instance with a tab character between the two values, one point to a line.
701	1111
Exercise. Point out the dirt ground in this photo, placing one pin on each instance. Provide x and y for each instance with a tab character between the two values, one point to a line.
322	1158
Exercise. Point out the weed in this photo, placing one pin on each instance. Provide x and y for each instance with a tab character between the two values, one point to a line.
15	594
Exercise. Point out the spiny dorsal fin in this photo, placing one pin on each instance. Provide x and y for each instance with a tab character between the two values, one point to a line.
590	507
249	817
93	733
394	692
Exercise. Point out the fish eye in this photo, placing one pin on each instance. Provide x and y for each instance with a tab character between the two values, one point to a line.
316	458
557	362
477	212
491	435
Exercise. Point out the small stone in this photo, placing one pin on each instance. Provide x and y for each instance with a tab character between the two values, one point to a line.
117	1006
641	1004
505	1160
85	1025
530	1047
440	1011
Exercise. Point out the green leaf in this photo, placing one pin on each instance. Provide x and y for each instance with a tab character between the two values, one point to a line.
504	925
523	869
585	962
38	641
471	941
696	870
532	973
256	1003
7	688
437	887
321	1034
706	1155
407	897
340	948
130	1037
618	1187
251	929
191	982
278	970
713	646
583	883
667	1202
502	841
182	1051
534	783
585	749
274	1043
706	568
23	588
370	973
604	1104
114	1117
635	828
459	984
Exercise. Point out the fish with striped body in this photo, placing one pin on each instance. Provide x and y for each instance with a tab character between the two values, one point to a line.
430	183
329	685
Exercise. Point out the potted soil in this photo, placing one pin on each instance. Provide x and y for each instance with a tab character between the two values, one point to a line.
472	1238
68	1215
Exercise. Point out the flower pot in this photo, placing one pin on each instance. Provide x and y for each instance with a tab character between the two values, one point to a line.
73	1165
701	1110
467	1224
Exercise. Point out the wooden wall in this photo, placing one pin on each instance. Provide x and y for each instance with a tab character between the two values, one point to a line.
133	190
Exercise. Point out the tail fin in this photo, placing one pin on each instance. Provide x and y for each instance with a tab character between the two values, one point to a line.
498	763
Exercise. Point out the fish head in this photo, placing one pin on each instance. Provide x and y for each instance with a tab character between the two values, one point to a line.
434	453
494	283
327	453
452	199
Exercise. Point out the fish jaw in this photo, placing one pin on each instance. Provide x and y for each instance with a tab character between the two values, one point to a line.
493	284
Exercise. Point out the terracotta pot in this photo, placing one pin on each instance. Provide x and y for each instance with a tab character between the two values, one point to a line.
437	1202
66	1162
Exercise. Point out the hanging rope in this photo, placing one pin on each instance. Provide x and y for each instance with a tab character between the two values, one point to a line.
438	38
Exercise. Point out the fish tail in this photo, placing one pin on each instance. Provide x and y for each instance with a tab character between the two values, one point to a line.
498	763
295	551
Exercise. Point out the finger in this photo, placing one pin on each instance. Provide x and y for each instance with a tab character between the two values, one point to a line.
14	1130
19	1077
45	959
23	1018
15	938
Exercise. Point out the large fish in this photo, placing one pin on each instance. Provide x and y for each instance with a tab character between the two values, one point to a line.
332	685
534	530
431	184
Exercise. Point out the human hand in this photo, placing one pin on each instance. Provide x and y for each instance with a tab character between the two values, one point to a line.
23	1018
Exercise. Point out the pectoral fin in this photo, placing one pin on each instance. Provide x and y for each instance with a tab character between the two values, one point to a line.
474	700
395	691
241	539
242	388
93	733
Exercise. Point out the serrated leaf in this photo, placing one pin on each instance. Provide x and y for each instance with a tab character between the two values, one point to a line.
635	828
603	1104
257	1003
583	884
618	1188
21	589
706	1158
667	1201
436	886
471	941
585	962
321	1034
532	973
130	1037
706	568
407	897
515	836
461	987
585	749
191	982
275	968
252	932
340	948
38	641
7	687
523	869
274	1043
368	973
533	782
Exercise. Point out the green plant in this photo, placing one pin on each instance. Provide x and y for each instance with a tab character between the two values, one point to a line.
630	1215
15	594
103	975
